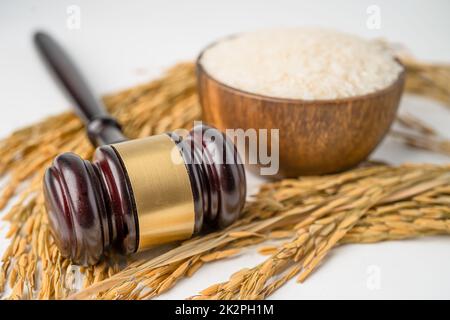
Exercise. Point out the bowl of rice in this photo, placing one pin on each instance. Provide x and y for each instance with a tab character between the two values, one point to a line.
331	96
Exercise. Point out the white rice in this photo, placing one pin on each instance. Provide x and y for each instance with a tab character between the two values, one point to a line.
302	63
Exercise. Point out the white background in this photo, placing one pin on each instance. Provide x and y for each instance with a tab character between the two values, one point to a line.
122	43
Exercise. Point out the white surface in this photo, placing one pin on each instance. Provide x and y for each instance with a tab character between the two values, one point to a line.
124	43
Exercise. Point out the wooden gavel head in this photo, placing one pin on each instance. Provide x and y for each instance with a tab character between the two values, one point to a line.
139	193
136	193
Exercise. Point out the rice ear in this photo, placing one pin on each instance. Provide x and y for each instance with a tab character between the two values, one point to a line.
317	205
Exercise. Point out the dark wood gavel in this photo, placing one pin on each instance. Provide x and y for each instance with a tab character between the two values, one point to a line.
135	193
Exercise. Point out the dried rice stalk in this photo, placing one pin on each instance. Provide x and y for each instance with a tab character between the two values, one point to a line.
31	267
429	80
413	123
162	105
432	81
424	142
319	212
321	231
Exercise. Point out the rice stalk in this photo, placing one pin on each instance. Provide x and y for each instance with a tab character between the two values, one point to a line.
314	227
31	266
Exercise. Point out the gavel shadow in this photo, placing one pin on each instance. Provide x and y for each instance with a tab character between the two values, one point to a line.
151	253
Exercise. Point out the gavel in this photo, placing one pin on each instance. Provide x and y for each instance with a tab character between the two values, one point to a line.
139	193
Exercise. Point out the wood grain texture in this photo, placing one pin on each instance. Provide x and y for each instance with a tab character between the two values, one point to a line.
315	137
90	206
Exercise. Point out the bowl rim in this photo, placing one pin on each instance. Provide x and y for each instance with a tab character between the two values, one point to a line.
201	69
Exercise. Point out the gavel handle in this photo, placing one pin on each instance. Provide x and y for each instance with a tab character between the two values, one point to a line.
101	127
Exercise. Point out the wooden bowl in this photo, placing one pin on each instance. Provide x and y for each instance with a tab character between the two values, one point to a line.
315	137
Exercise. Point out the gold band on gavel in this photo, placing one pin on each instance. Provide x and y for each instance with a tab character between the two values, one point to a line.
161	188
